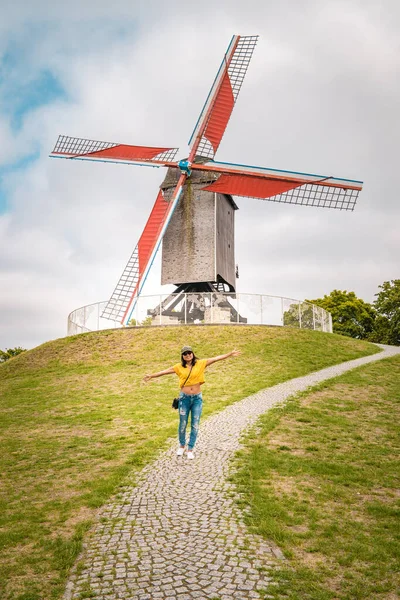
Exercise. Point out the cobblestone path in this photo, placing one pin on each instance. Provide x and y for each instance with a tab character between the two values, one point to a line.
178	533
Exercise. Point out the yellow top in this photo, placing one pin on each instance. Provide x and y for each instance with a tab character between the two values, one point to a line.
196	376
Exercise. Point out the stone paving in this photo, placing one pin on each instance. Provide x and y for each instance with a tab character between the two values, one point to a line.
178	533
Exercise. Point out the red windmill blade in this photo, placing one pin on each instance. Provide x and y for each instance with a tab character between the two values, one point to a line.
282	186
82	149
218	107
214	183
134	275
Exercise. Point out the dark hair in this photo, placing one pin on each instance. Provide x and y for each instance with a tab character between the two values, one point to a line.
194	359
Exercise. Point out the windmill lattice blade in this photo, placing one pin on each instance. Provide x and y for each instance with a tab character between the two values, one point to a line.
218	107
84	149
124	290
127	285
311	194
139	264
320	194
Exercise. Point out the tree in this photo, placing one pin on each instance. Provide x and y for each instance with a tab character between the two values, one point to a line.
300	314
10	353
350	315
147	321
387	307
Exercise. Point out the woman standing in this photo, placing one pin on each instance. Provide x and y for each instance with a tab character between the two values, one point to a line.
191	376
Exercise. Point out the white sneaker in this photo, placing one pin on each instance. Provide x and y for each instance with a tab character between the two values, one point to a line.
190	455
180	451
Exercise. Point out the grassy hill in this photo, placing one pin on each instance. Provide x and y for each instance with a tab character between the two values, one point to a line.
77	420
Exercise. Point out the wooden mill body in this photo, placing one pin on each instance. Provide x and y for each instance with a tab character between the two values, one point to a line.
198	245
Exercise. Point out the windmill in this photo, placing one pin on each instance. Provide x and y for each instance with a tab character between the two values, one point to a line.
194	208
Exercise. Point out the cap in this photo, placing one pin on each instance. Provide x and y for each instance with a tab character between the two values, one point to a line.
186	349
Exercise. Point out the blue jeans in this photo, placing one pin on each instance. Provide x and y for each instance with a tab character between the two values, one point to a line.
189	404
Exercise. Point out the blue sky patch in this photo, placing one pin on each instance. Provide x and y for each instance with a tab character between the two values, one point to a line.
20	98
28	81
20	165
23	89
3	201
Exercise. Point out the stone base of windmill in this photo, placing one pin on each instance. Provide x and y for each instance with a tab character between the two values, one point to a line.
211	315
217	315
184	307
166	320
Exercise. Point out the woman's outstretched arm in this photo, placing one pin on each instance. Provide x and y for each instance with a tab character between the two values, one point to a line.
210	361
159	374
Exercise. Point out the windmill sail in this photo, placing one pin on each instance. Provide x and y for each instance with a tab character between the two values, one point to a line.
214	117
83	149
134	275
282	186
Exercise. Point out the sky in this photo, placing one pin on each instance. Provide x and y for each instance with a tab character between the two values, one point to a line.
321	95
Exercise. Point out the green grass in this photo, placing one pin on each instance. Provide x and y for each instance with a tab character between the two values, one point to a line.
321	478
77	422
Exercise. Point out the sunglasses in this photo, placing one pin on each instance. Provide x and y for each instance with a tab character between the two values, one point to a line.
185	353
